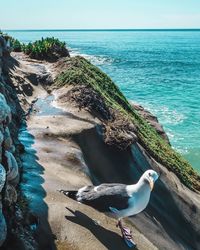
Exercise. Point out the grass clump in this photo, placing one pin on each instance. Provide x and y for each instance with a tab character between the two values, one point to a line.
81	72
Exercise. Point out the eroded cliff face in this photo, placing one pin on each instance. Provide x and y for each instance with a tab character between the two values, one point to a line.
12	226
171	220
9	173
114	151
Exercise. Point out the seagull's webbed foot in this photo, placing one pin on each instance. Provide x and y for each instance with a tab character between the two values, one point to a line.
126	234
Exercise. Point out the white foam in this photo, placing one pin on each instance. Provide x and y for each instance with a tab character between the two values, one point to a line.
165	115
97	60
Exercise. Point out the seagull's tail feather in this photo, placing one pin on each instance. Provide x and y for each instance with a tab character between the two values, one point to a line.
114	210
69	193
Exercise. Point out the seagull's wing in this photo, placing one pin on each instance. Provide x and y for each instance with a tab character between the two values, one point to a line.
104	196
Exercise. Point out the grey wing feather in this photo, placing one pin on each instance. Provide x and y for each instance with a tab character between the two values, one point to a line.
104	196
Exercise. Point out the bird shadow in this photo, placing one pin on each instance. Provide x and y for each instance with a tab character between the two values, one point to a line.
109	239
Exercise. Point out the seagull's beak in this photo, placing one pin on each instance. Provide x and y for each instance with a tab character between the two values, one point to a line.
151	183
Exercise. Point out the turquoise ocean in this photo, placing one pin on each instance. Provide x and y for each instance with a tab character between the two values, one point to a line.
157	69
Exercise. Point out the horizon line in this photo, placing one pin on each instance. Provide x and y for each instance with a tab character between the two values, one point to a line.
109	29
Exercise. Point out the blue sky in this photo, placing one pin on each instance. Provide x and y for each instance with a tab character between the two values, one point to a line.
77	14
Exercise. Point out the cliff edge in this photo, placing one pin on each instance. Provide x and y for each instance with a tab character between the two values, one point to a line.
78	129
126	145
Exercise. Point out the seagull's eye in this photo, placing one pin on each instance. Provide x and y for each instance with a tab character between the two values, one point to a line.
149	174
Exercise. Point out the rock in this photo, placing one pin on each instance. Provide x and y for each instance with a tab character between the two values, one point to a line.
2	44
5	113
3	227
8	143
21	148
1	138
119	132
9	102
1	141
2	177
10	195
13	172
152	120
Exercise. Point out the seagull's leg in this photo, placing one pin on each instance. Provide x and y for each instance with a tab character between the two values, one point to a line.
96	222
119	223
126	234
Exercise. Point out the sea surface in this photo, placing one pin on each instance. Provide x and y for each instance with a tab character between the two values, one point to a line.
157	69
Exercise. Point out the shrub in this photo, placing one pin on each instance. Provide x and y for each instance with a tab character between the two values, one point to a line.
16	45
49	49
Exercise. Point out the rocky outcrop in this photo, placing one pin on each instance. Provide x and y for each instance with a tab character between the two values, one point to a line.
9	174
152	120
174	211
5	142
6	145
3	227
11	115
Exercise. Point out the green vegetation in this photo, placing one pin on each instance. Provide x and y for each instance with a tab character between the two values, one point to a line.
16	45
49	49
81	72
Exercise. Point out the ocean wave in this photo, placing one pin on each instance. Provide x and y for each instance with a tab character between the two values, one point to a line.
180	150
169	118
172	117
166	115
97	60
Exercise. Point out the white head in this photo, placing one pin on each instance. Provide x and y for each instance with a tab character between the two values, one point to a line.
150	176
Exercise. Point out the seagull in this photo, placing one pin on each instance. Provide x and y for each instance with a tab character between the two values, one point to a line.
119	199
